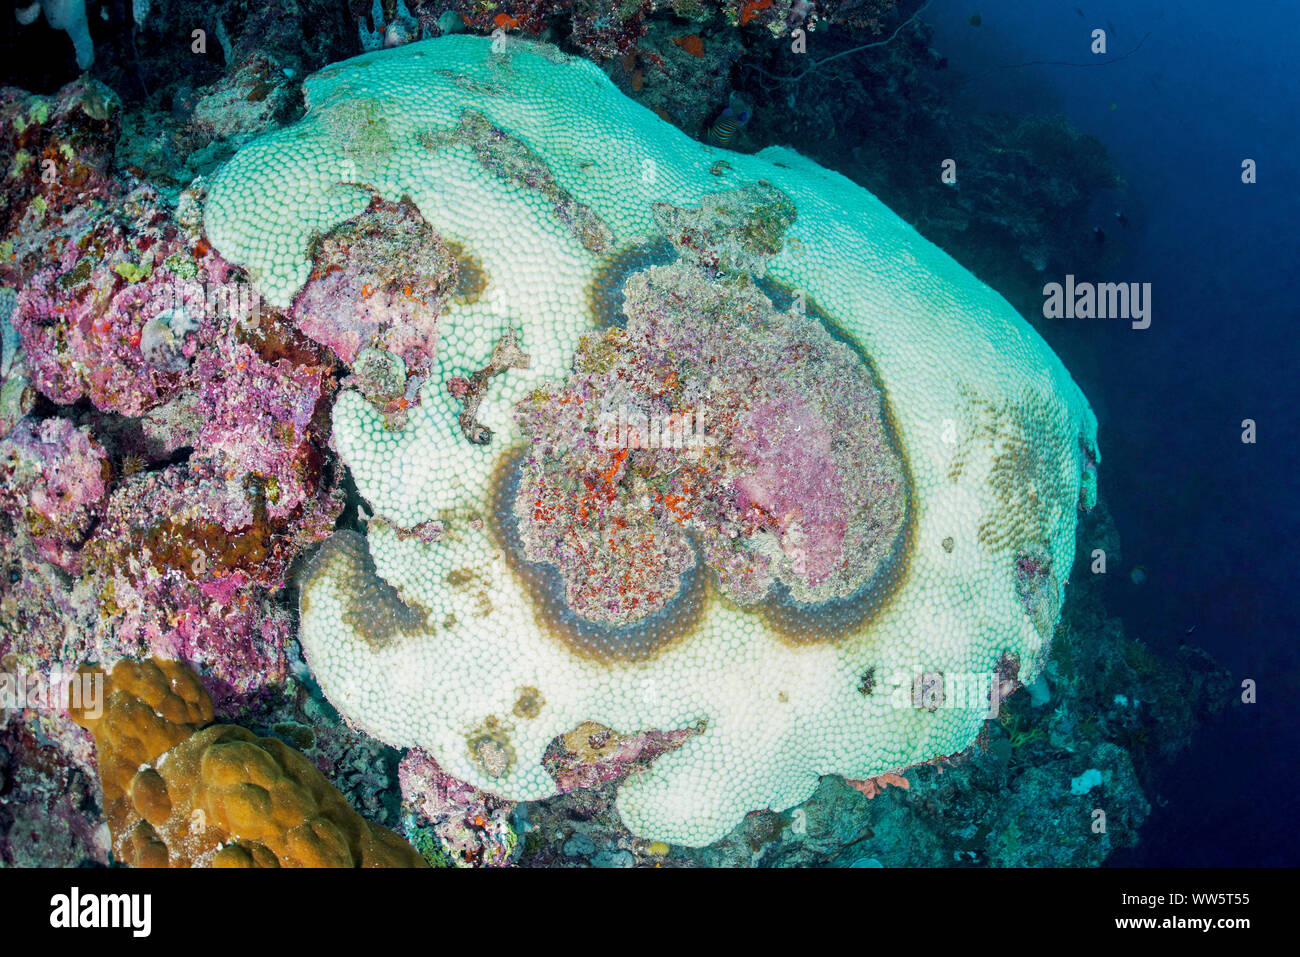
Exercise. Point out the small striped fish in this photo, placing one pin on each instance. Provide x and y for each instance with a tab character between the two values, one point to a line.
724	129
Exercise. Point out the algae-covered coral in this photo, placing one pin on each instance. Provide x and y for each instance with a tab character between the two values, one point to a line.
928	539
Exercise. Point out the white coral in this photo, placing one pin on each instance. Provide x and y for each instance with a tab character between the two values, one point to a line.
995	434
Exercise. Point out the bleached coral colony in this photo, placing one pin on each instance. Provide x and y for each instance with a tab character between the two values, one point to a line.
752	458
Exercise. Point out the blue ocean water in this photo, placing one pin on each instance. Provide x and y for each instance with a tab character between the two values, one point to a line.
1212	520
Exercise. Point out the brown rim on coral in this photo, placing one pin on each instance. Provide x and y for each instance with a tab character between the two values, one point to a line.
544	586
845	616
795	624
605	291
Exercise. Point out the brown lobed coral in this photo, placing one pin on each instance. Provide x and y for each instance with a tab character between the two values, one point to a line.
180	791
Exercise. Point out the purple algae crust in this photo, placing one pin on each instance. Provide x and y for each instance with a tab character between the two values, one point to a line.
793	477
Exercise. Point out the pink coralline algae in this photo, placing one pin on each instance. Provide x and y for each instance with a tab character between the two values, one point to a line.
376	290
117	291
592	755
715	420
469	826
183	563
53	478
459	824
90	324
795	481
179	565
256	417
155	508
60	153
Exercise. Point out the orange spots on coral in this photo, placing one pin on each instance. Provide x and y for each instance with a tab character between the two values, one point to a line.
619	456
629	62
201	248
663	114
749	9
638	78
671	502
332	267
506	21
692	43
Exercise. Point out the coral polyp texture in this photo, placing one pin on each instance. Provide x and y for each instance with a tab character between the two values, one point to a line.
180	791
767	467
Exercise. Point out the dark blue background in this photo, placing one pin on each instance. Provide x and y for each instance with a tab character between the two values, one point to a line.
1212	520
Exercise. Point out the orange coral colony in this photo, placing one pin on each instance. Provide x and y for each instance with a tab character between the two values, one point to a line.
180	791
